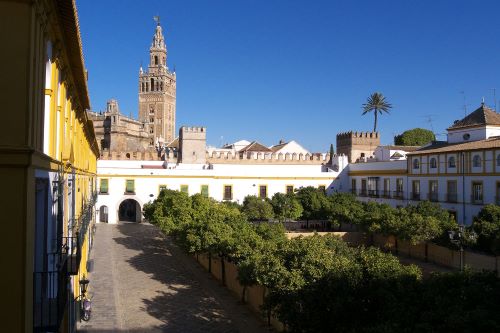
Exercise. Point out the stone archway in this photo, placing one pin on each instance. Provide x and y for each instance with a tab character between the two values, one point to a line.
130	211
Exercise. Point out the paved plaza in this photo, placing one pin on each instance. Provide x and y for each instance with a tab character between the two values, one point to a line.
141	282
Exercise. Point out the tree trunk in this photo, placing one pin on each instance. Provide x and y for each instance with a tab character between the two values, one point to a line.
243	293
375	124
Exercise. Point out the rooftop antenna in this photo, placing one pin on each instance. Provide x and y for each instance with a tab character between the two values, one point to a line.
429	120
494	98
465	104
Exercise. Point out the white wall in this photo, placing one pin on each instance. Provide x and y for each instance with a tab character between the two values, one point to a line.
245	180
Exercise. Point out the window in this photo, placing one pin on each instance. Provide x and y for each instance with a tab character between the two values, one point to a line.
185	189
477	192
322	188
476	161
152	84
498	160
373	186
387	187
399	185
228	192
433	163
353	186
363	187
452	162
416	164
204	190
451	191
262	191
433	190
289	189
161	188
129	186
415	188
103	188
156	60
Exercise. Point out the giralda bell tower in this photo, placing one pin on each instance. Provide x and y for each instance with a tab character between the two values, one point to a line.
157	92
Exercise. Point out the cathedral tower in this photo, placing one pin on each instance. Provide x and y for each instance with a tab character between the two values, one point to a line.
157	93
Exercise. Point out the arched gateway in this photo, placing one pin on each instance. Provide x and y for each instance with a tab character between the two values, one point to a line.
130	211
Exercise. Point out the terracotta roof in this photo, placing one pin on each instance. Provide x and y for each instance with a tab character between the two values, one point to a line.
403	148
443	146
255	146
277	147
482	116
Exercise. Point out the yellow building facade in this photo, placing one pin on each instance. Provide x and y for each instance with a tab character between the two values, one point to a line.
48	157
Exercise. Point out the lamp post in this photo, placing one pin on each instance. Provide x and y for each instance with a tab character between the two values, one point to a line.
83	285
456	237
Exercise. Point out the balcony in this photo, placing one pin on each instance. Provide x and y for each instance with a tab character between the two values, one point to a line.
373	193
73	253
398	195
451	197
415	196
50	295
386	194
433	196
363	193
353	191
476	199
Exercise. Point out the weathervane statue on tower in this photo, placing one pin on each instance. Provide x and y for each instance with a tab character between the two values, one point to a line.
157	19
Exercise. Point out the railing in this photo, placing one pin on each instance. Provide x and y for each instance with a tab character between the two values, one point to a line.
433	196
353	191
451	197
50	295
415	196
373	193
497	200
73	248
363	193
476	199
398	195
386	194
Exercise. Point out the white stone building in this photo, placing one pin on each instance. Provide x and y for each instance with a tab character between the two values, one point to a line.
462	174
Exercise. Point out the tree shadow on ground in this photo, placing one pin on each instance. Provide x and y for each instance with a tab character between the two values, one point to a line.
192	301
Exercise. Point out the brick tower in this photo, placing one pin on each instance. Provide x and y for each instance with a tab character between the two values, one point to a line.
157	93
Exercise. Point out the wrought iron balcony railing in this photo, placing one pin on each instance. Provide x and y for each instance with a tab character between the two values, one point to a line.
415	196
433	196
451	197
363	193
386	194
373	193
398	195
476	199
50	295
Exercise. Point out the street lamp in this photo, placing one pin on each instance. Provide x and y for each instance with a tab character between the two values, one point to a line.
83	285
458	238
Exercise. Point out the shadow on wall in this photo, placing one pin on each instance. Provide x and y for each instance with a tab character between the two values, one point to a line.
185	306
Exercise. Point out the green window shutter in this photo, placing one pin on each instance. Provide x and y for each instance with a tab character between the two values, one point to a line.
130	186
185	189
104	186
228	192
204	190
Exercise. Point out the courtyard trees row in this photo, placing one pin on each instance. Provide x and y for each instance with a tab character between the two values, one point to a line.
317	284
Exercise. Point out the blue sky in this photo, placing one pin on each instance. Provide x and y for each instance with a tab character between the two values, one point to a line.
299	70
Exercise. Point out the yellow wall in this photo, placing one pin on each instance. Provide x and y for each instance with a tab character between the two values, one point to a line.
27	27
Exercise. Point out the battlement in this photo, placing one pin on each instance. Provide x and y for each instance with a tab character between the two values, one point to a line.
138	156
193	129
354	135
268	158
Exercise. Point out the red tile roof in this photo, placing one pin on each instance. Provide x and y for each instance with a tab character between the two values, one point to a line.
482	116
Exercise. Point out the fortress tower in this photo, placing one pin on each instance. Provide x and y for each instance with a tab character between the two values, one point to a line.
357	145
157	93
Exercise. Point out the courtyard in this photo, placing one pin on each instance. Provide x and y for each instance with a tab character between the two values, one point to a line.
141	282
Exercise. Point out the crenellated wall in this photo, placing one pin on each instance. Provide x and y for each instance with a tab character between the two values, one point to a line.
357	145
267	158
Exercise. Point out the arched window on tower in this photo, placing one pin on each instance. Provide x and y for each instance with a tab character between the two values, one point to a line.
157	86
147	87
152	84
156	60
161	85
143	87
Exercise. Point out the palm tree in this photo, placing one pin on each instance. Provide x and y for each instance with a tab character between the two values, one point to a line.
376	103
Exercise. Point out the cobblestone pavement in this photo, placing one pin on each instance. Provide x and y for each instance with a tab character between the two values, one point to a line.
141	282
